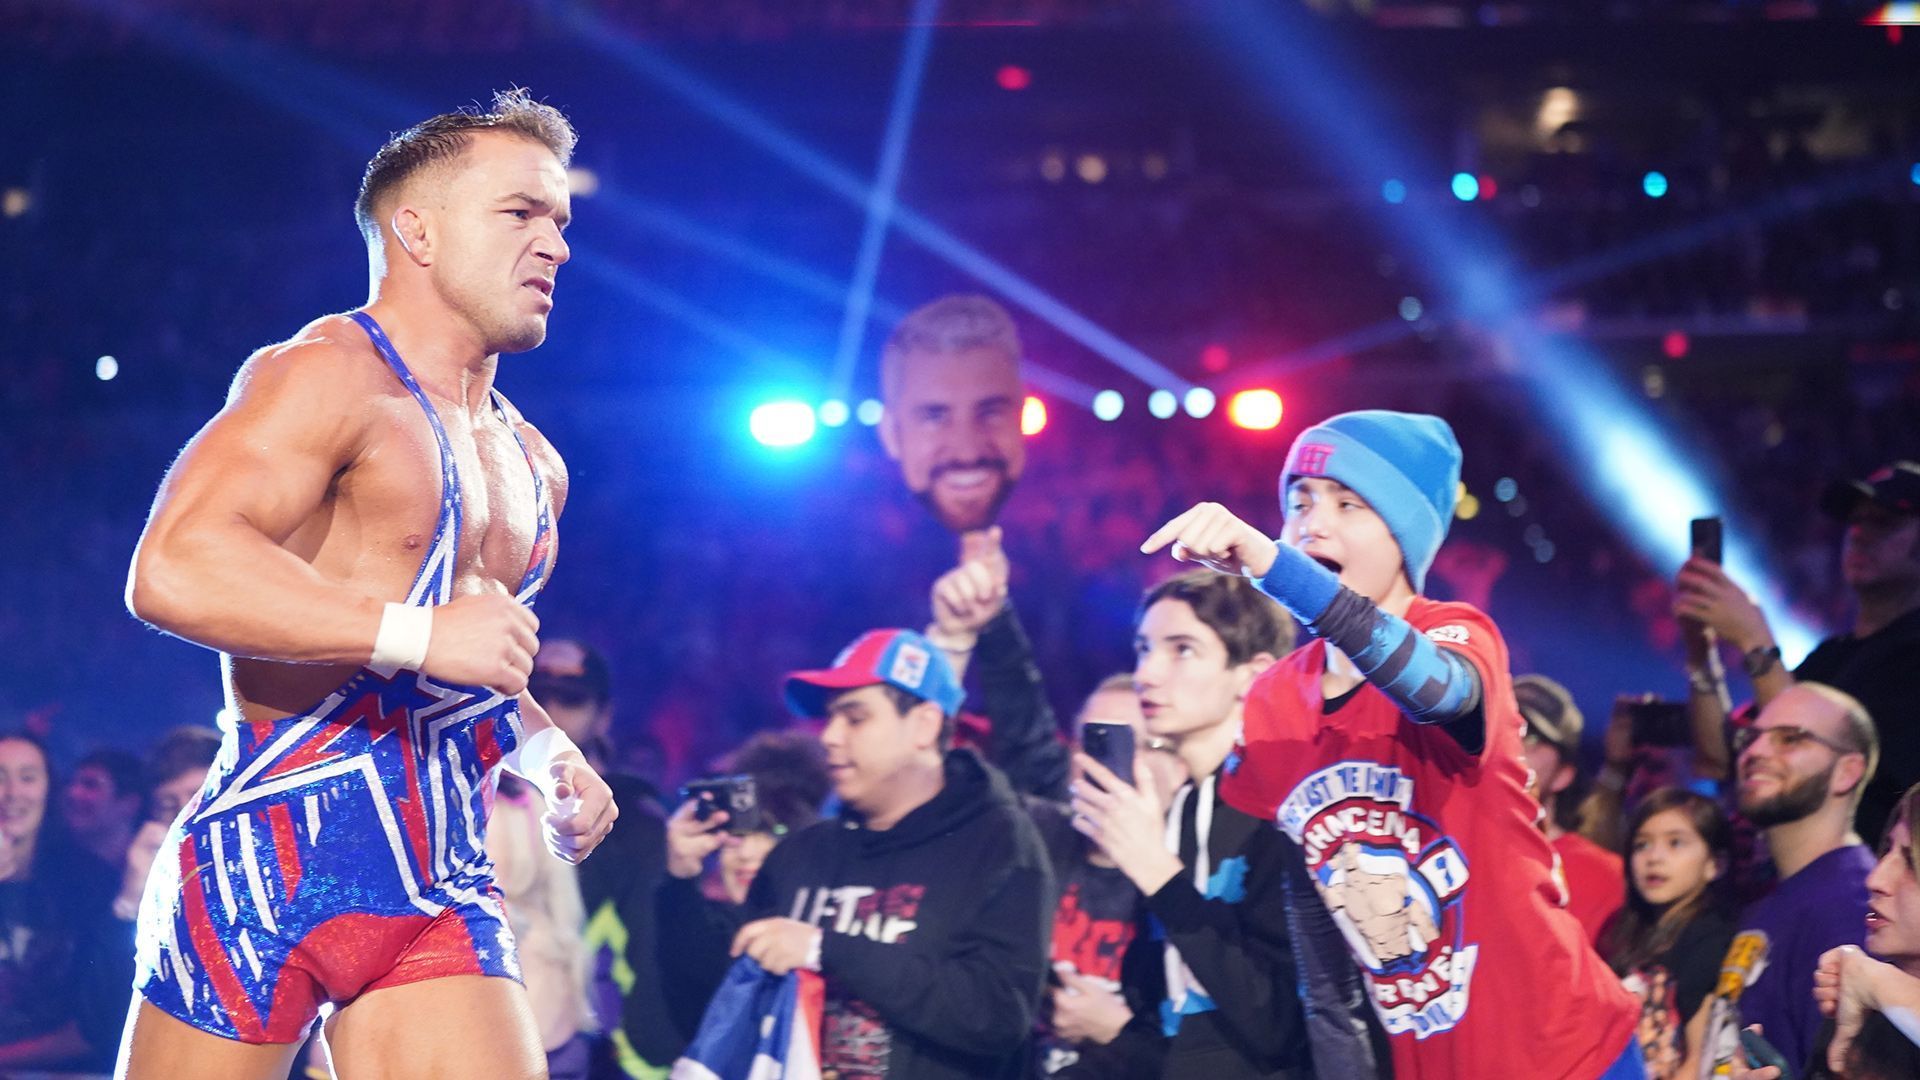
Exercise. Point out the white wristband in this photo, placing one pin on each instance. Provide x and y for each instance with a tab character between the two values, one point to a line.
812	962
530	760
402	640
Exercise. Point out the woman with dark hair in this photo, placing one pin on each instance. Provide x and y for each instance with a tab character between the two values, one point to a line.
1668	941
1873	998
53	912
789	771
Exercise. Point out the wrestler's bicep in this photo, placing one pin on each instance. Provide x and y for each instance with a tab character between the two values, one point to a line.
267	459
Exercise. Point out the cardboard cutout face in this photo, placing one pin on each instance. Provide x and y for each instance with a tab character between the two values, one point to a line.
953	397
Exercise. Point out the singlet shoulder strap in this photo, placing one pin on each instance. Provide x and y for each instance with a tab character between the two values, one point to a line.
541	560
433	583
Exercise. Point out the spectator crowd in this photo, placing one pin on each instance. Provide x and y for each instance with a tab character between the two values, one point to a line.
1244	874
1318	799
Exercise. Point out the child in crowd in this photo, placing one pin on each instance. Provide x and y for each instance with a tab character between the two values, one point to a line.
1389	748
1667	942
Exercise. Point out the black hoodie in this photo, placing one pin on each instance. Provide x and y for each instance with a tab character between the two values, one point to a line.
1270	991
935	946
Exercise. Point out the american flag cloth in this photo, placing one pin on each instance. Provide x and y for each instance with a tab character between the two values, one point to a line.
759	1026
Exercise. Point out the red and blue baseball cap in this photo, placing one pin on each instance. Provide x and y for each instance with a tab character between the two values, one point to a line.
899	658
1895	487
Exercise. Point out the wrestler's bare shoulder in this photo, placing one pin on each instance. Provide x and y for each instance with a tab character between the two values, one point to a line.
330	362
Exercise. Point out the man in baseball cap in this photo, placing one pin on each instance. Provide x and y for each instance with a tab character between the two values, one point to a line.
1895	489
924	906
1593	874
1878	660
901	659
898	696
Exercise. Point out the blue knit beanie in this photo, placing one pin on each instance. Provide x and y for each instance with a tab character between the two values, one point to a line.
1406	465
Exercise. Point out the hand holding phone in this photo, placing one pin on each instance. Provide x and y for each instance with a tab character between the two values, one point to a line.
1110	744
1705	538
739	796
1661	723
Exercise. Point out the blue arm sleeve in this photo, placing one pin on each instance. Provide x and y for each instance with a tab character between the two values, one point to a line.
1430	684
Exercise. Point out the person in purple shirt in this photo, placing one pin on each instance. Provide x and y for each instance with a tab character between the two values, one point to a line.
1801	766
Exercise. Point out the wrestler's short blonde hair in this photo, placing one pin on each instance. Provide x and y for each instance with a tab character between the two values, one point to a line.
442	139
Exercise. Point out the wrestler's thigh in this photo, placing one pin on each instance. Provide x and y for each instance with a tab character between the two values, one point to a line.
156	1046
457	1027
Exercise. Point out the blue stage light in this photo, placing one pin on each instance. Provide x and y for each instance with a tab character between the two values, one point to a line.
1162	404
880	199
1394	191
1654	184
1107	404
782	424
1646	476
650	61
834	412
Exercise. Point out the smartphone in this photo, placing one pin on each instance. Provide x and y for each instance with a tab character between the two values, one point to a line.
737	795
1761	1053
1111	745
1661	723
1706	538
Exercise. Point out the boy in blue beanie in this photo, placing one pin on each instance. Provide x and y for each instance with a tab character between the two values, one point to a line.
1389	747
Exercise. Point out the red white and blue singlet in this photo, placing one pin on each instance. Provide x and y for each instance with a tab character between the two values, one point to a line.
342	850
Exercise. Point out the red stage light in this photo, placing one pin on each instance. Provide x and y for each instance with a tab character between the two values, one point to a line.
1675	345
1489	187
1013	77
1215	358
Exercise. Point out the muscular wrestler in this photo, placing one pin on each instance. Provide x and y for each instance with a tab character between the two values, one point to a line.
359	533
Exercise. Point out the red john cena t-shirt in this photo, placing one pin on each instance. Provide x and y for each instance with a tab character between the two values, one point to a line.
1433	864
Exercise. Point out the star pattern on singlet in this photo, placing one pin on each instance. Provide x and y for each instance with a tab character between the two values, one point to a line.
360	728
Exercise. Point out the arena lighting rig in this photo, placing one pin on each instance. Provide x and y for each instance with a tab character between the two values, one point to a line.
1627	459
736	116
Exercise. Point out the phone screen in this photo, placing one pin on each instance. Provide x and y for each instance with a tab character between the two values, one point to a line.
1111	745
1706	538
1661	723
